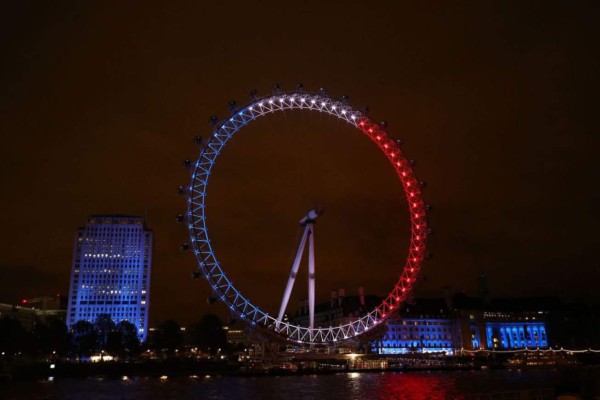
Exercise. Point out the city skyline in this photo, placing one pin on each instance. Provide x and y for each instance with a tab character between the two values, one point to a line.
496	108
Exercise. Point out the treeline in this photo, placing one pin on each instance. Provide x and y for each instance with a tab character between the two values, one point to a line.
208	336
51	337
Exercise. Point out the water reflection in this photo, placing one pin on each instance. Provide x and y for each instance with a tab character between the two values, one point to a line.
418	386
353	385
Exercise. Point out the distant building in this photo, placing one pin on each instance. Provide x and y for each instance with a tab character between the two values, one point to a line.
463	322
30	311
236	336
426	327
110	274
441	325
501	324
341	309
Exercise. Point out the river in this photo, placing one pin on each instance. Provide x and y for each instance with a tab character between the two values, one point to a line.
349	386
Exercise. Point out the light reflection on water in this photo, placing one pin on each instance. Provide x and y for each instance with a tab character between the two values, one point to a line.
353	385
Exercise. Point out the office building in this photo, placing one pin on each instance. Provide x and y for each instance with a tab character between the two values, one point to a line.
110	274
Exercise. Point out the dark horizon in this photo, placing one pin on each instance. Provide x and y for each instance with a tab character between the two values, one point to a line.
495	101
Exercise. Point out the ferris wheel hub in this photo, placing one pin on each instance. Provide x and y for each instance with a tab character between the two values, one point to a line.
311	217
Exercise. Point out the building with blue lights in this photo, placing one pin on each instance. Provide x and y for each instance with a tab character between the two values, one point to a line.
500	324
440	325
425	327
110	274
416	335
462	322
516	335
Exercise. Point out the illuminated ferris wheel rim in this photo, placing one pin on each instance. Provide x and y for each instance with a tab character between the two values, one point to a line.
209	266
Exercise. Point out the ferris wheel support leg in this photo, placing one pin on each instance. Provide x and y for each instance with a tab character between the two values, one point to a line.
292	278
311	276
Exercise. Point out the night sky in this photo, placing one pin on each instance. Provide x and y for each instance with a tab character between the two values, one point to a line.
497	102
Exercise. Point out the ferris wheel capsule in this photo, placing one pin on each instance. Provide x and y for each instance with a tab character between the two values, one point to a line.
276	88
198	140
232	105
214	120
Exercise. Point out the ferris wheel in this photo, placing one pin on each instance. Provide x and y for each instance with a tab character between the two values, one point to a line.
210	268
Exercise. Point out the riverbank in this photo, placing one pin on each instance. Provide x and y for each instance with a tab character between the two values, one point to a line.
188	367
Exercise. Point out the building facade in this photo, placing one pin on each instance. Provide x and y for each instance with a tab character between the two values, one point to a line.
516	335
440	325
501	324
31	311
424	327
110	274
416	335
463	323
341	309
493	330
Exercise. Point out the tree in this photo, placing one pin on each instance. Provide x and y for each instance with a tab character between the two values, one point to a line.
209	334
40	339
105	327
13	337
128	338
84	338
59	335
168	336
50	336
